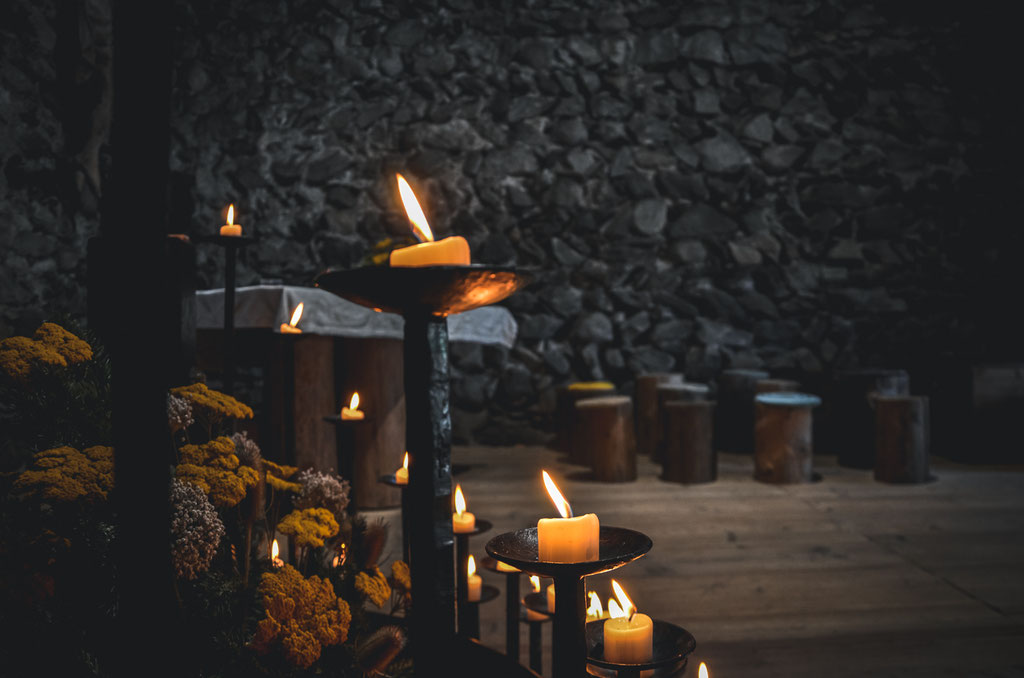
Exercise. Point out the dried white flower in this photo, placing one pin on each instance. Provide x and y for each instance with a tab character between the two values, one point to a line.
196	530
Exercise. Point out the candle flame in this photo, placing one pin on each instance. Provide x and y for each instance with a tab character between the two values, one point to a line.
628	608
354	403
471	566
614	611
231	214
560	503
535	583
413	210
296	314
405	462
595	610
460	501
703	672
275	550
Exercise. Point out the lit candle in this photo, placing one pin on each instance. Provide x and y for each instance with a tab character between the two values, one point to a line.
462	520
291	327
703	672
566	539
275	550
530	614
450	251
473	581
628	636
352	412
231	228
502	567
402	474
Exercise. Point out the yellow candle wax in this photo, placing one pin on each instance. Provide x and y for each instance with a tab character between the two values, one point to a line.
504	567
462	520
473	581
551	598
447	252
289	329
230	228
566	539
402	474
292	326
629	641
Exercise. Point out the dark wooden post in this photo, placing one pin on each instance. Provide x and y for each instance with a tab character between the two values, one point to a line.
689	454
734	415
604	437
141	338
565	413
647	407
432	543
783	445
901	439
667	393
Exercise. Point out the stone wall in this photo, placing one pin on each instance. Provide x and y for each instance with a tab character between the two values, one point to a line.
794	185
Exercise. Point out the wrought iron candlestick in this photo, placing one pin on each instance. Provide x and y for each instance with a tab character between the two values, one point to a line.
406	511
469	615
231	245
424	297
512	606
672	646
536	602
617	546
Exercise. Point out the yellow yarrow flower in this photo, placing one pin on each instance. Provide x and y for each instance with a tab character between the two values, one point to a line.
400	573
215	469
212	405
374	585
72	348
309	526
278	474
52	345
304	615
65	474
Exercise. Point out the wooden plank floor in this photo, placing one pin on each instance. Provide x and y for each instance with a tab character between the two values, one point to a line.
844	577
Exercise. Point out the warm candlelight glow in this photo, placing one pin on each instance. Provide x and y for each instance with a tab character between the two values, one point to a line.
275	550
560	503
535	583
703	672
405	462
628	608
231	214
296	314
614	611
595	611
231	228
460	501
471	567
352	411
414	211
354	403
473	581
402	474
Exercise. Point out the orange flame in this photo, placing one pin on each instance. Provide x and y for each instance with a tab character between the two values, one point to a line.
275	550
354	403
231	214
405	462
460	501
595	610
628	608
296	314
535	583
471	567
614	611
703	672
560	503
414	211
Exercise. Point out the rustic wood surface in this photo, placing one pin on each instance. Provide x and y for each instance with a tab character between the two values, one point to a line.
689	452
604	437
844	577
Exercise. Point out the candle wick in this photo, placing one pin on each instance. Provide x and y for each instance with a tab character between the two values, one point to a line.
569	509
631	615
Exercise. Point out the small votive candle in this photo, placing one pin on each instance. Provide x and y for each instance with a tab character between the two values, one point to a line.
402	474
462	520
530	614
474	584
352	412
290	327
230	228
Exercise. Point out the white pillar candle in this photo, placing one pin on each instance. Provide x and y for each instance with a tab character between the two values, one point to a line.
447	252
628	635
462	520
567	539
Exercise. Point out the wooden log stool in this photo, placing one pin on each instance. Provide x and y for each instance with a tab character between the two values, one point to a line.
667	393
565	410
646	407
734	415
852	415
783	450
901	439
604	437
689	455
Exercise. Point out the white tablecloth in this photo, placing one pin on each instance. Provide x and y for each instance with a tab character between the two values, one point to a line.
269	306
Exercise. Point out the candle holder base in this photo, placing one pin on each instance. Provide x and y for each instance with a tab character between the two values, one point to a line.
538	602
672	646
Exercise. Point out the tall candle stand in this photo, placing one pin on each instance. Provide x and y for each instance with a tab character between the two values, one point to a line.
424	297
617	546
468	615
536	602
406	511
231	245
512	611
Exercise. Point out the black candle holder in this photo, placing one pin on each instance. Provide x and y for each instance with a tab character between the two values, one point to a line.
512	613
672	646
392	481
617	546
469	621
231	245
536	647
466	611
424	296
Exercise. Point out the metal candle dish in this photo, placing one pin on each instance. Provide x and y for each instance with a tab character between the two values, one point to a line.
672	645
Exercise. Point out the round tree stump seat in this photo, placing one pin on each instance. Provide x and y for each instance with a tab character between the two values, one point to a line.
565	410
901	439
783	450
667	393
603	435
689	454
851	412
646	407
